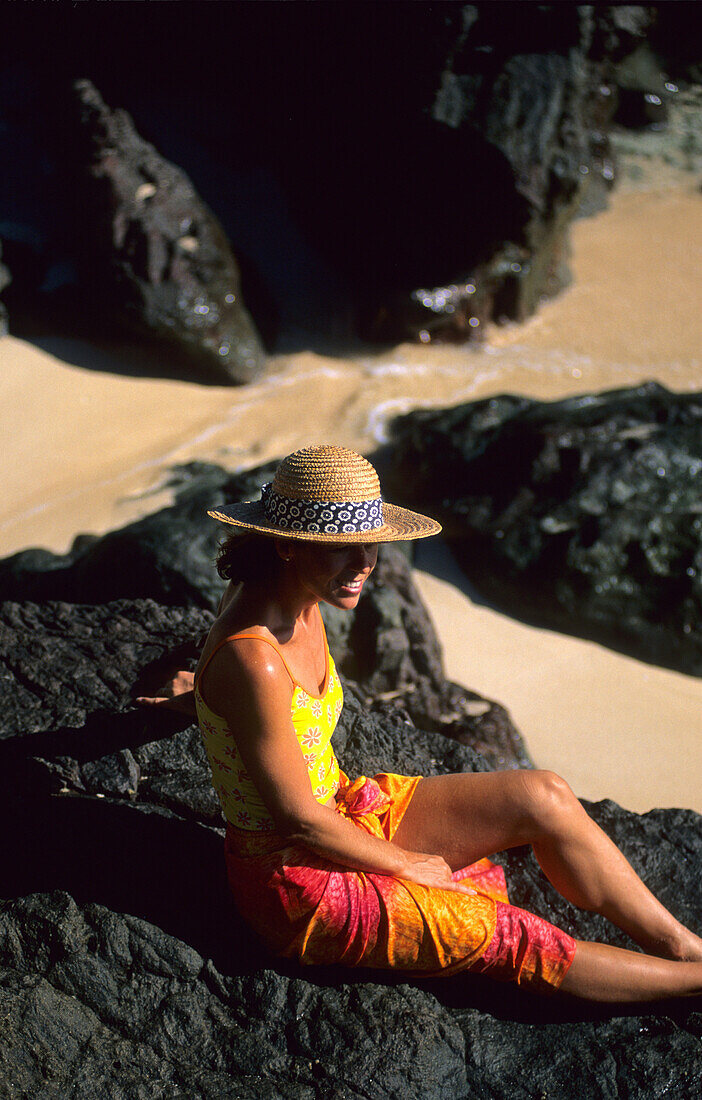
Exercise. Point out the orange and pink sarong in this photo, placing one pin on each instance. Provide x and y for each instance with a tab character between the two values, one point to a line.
306	907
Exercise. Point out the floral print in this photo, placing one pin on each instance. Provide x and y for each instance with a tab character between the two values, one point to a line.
311	737
313	720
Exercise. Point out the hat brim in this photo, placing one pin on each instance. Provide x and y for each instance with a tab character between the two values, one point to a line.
399	525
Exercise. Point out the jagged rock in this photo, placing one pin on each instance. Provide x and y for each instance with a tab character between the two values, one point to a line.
484	133
527	106
132	1005
69	676
582	514
389	648
155	258
125	971
64	664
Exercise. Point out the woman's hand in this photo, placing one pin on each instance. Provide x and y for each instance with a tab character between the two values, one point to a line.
432	871
177	694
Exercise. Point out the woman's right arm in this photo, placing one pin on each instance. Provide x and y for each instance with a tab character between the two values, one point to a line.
246	684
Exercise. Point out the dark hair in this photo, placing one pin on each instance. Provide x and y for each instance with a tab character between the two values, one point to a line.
248	559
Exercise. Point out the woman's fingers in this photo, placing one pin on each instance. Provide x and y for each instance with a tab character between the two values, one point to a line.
434	871
180	684
176	694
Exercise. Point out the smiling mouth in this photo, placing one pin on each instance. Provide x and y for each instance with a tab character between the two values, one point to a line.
351	586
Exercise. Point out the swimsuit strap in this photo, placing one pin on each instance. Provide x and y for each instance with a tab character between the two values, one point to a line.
273	645
234	638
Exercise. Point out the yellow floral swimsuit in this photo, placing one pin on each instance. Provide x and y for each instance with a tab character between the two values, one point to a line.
314	719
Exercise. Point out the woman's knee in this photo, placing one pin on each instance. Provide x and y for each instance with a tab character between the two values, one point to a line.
550	802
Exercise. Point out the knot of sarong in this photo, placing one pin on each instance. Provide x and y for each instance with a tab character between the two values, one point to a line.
363	796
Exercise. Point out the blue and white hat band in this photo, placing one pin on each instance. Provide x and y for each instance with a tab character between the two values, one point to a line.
328	517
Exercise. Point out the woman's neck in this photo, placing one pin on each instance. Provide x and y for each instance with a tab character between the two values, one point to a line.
282	607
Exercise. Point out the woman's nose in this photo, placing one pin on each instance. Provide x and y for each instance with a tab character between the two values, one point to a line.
363	558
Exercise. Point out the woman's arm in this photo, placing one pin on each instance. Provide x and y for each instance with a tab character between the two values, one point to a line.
246	684
177	693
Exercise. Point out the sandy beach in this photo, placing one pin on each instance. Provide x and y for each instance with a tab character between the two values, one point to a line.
89	448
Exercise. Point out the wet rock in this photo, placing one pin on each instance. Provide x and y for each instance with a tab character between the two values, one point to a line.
526	107
156	260
581	514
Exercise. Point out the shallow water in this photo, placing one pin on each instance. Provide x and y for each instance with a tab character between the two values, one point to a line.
92	449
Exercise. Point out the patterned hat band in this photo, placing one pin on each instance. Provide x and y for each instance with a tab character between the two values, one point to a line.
329	517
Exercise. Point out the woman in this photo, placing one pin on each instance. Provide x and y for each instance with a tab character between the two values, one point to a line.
391	871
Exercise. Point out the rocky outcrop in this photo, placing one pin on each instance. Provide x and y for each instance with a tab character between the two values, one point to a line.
125	971
582	514
431	195
156	258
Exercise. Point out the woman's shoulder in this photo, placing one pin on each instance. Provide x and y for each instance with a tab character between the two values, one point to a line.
241	645
245	681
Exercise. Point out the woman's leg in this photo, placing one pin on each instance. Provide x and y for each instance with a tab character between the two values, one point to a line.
600	972
466	817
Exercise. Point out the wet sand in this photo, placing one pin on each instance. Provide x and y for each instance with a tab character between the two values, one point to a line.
91	449
612	726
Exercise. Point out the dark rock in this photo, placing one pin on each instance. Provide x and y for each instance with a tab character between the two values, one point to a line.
89	995
523	101
125	971
367	741
156	259
581	514
86	737
479	129
389	648
165	256
64	664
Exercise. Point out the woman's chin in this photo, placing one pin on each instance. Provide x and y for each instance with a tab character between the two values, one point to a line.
346	598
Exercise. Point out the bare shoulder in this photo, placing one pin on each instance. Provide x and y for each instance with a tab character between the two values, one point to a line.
254	655
248	670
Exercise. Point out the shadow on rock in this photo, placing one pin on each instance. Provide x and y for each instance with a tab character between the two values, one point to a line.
134	860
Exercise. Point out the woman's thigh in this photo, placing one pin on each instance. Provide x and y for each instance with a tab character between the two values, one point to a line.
468	816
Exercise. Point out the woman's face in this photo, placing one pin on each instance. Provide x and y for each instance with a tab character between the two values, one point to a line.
335	572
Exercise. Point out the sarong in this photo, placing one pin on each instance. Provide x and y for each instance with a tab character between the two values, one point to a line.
306	907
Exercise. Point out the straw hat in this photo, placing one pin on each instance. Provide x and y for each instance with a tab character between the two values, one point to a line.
326	494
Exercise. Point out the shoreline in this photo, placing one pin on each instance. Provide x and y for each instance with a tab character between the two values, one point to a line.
612	726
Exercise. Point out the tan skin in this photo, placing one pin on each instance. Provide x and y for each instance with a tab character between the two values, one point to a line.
452	820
